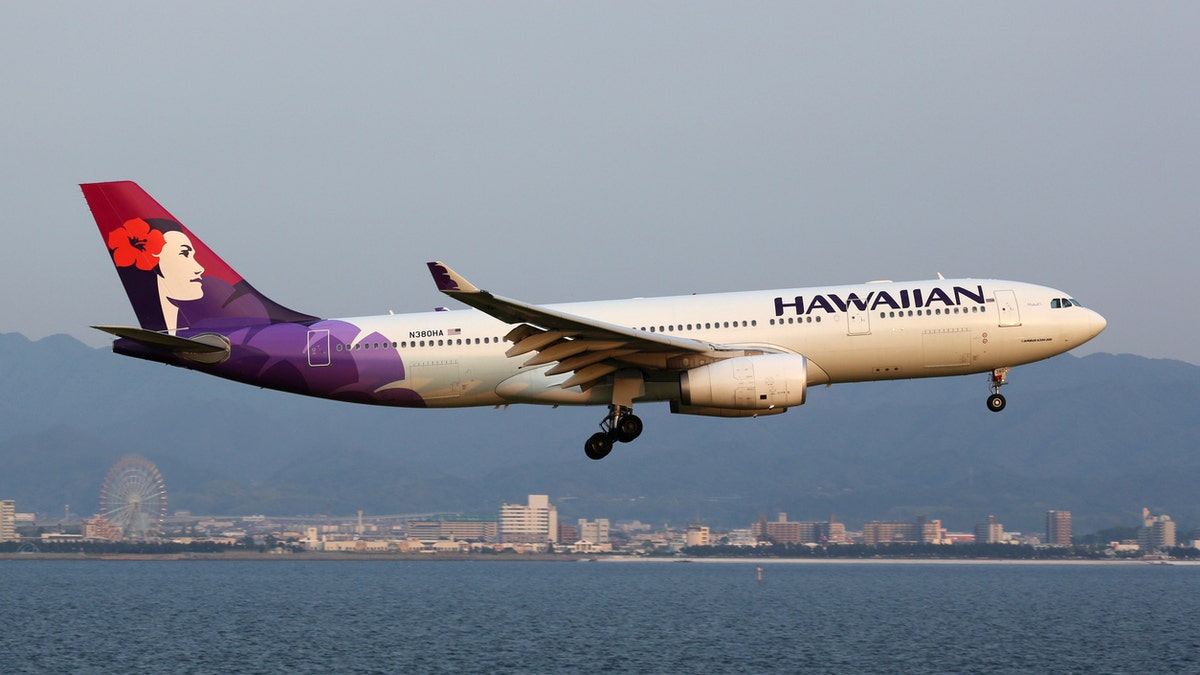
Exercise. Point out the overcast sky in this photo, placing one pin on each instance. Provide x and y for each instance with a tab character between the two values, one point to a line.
573	151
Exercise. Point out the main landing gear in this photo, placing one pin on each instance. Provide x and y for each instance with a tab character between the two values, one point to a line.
620	425
996	401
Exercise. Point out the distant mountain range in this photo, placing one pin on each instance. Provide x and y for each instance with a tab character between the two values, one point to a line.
1101	436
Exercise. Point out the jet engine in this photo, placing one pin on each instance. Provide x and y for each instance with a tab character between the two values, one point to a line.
744	386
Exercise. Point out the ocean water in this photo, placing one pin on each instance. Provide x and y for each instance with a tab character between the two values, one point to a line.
294	616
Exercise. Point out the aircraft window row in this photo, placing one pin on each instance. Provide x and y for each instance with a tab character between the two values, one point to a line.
797	319
1059	303
406	344
931	312
672	328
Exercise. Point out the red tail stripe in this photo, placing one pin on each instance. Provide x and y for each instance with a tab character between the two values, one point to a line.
114	203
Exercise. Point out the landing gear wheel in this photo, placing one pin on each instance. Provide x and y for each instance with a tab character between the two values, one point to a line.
629	427
996	402
598	446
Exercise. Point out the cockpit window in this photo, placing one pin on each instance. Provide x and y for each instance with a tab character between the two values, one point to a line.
1056	303
1073	302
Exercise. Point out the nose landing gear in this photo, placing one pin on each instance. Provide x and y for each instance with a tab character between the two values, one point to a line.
998	379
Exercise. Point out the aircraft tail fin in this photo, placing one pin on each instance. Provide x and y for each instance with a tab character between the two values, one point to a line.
173	280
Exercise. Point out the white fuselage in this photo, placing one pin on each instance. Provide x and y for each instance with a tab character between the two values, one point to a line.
876	331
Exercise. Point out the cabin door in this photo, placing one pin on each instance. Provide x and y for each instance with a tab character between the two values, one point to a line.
1006	306
858	321
318	347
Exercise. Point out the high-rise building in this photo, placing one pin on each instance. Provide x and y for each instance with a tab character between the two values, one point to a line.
595	531
784	531
990	532
1156	531
921	532
8	520
698	535
1058	528
532	523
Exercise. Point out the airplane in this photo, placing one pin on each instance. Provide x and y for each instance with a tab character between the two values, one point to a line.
737	354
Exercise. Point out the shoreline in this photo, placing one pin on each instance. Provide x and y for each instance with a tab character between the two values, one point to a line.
560	558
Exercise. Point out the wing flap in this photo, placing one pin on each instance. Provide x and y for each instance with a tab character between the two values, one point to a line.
536	341
575	363
585	377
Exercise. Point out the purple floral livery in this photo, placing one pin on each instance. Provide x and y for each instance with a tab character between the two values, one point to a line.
179	288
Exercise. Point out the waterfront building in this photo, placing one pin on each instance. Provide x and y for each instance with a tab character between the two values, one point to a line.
784	531
991	532
595	531
1156	532
1058	528
356	545
532	523
457	528
834	532
8	520
921	532
98	527
698	535
742	537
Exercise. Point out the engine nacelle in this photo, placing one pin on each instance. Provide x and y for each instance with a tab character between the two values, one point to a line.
764	382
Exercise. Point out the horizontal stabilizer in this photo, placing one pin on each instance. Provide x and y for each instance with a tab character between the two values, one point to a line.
205	348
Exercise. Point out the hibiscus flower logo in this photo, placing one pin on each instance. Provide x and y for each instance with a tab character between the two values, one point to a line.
136	243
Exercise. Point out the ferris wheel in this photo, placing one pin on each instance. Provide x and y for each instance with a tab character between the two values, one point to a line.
134	498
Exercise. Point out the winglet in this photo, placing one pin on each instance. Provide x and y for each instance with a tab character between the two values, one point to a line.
448	280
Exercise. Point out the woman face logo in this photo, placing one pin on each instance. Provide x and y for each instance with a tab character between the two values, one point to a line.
165	256
179	273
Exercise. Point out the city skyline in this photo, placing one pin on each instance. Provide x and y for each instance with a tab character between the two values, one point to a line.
535	524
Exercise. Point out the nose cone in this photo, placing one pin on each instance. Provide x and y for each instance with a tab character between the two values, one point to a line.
1096	324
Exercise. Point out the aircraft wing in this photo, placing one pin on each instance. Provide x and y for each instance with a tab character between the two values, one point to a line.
588	348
